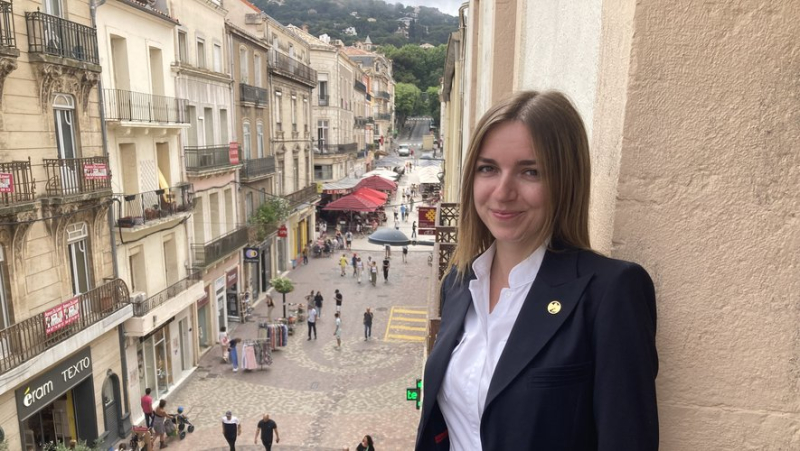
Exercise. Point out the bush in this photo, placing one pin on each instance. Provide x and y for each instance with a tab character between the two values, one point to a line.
282	285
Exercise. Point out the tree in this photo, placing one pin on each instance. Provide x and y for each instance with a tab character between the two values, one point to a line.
267	216
406	100
434	105
283	285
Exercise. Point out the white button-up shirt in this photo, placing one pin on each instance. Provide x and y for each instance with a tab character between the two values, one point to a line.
472	363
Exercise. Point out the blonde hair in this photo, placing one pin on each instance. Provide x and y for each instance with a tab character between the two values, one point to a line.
562	154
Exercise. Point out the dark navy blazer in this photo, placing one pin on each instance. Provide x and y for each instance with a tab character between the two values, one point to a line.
582	379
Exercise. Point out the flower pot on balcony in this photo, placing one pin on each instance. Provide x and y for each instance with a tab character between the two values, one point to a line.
151	213
126	222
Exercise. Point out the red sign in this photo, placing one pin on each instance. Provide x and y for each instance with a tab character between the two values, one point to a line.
426	231
427	217
6	182
95	171
282	232
231	277
61	316
234	153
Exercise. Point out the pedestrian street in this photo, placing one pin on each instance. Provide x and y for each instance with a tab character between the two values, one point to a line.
407	324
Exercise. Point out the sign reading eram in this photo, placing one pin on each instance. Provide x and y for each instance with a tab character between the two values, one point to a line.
54	383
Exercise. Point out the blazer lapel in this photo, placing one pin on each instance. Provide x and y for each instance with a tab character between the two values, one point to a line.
556	281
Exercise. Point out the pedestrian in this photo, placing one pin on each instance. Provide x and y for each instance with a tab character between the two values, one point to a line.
395	214
338	296
231	429
338	331
354	261
359	268
358	229
366	444
233	354
411	210
414	229
403	212
348	238
367	324
318	304
159	422
310	300
312	321
373	273
223	343
405	254
270	307
388	251
305	254
267	427
343	264
386	270
147	407
396	225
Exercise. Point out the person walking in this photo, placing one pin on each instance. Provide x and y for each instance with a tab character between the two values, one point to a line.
267	427
270	307
367	324
231	429
414	229
403	211
359	268
387	251
147	407
366	444
318	304
159	422
343	264
348	239
305	254
312	322
223	343
373	273
338	296
338	331
310	300
405	254
354	261
386	270
233	354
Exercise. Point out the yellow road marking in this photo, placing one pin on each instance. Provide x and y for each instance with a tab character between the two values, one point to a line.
412	320
420	329
392	324
413	312
404	337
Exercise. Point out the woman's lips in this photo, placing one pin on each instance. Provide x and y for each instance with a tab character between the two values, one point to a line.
504	215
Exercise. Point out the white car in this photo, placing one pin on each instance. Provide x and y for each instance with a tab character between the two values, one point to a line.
403	151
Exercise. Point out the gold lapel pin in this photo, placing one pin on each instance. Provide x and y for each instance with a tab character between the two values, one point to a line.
554	307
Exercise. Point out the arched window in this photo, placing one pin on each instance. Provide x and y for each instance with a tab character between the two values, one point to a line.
260	139
79	259
64	114
246	140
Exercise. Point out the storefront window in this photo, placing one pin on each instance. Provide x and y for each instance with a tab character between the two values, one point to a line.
163	362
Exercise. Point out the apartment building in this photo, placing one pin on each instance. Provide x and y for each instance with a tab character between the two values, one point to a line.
61	304
379	71
692	120
212	161
153	199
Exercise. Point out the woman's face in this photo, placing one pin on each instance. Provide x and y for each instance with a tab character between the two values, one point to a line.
509	193
364	441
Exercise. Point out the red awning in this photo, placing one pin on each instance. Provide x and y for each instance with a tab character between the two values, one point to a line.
352	203
371	195
377	182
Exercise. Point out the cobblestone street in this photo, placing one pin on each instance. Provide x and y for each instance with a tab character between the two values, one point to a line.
322	398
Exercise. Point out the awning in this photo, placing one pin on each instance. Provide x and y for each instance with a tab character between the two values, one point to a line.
342	186
378	183
371	195
351	203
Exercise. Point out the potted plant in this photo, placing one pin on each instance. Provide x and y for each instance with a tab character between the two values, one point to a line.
283	285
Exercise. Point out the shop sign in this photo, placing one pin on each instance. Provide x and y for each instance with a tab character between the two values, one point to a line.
95	171
231	277
46	389
234	153
427	217
282	232
426	232
251	255
6	182
62	315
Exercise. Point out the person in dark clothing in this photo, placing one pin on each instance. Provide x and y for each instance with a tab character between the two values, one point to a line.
414	229
354	262
366	444
367	324
385	269
231	429
318	303
267	427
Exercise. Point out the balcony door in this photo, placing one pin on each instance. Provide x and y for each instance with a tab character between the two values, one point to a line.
54	8
79	260
64	115
6	318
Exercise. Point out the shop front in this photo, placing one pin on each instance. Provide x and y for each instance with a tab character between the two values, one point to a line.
204	319
154	362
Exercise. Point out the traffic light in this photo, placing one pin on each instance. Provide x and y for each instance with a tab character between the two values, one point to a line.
415	394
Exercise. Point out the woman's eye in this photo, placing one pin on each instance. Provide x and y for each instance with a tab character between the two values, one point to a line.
485	168
532	172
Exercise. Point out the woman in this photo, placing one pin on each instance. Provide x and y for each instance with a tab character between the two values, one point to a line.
161	417
270	307
233	354
373	273
318	303
543	343
223	343
359	268
366	444
338	331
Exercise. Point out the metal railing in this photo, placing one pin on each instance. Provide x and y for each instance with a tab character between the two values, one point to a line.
258	167
124	105
384	117
253	94
360	86
68	176
302	195
290	67
323	100
16	183
142	308
28	338
55	36
383	95
446	235
138	209
7	37
208	253
200	158
325	148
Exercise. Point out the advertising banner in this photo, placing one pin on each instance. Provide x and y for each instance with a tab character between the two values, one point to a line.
6	182
62	315
95	171
234	153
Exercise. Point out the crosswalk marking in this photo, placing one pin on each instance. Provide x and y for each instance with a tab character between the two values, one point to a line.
409	311
412	320
405	324
423	329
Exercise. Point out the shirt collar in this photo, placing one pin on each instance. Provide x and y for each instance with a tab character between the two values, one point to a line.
523	273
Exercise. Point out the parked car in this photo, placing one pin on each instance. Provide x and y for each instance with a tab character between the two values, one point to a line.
403	151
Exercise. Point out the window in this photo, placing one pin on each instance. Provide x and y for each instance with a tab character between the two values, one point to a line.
296	174
323	92
257	69
201	53
217	58
79	263
305	114
294	113
6	318
322	135
183	49
278	118
53	7
223	126
244	75
246	140
248	206
260	140
64	113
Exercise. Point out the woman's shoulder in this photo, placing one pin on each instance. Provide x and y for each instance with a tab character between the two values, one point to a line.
603	265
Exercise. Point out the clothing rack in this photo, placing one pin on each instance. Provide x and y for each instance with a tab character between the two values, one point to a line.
256	353
277	332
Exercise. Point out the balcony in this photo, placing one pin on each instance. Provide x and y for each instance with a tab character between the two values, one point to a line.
360	86
253	95
77	177
323	100
384	117
41	333
54	36
8	41
258	167
331	149
131	106
361	122
291	68
17	186
210	158
383	95
145	306
206	254
152	206
302	195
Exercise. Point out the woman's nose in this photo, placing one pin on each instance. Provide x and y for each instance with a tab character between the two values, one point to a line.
506	188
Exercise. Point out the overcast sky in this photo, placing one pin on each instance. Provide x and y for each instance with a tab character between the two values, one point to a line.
445	6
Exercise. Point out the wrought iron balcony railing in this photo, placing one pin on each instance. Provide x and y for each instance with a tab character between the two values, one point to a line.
360	86
323	100
28	338
290	67
7	37
142	308
360	122
55	36
17	185
325	148
253	94
124	105
383	95
384	117
203	158
70	176
141	208
208	253
302	195
258	167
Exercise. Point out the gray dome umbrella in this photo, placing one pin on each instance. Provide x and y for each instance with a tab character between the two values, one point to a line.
394	237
